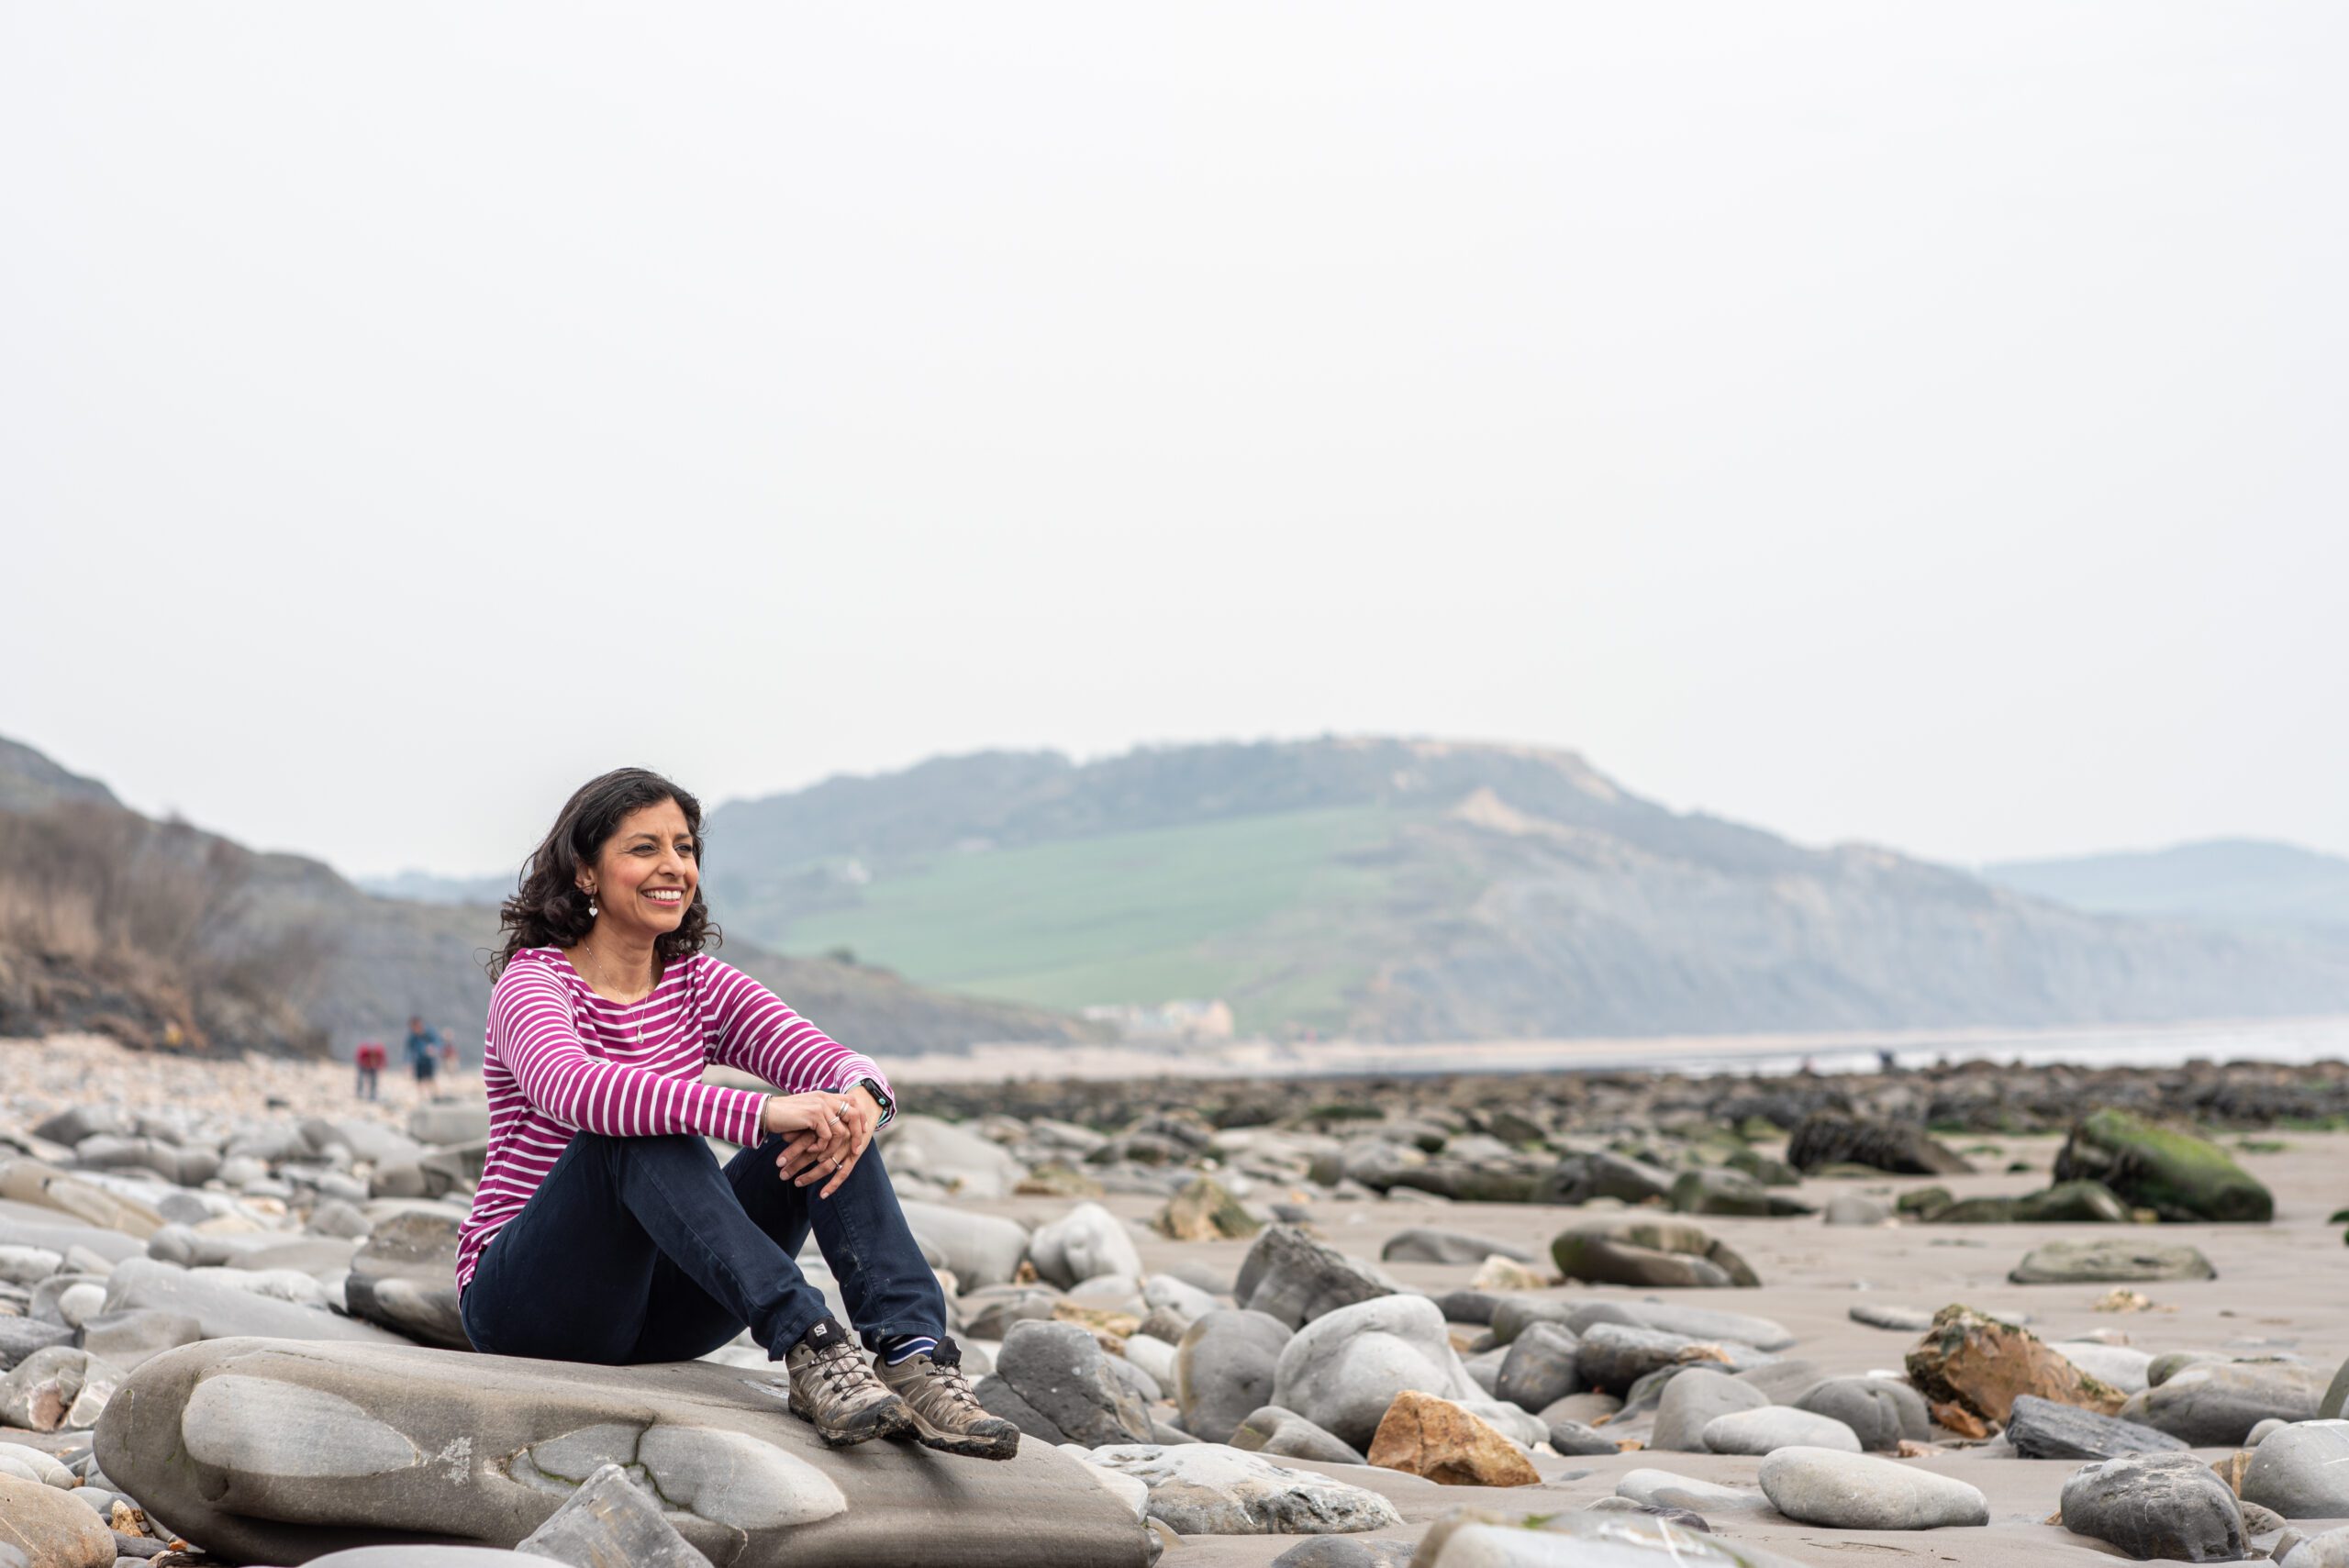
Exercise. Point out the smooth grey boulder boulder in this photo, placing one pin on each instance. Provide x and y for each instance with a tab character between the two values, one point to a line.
1343	1369
1135	1376
257	1251
1899	1320
189	1167
2301	1471
1513	1315
1690	1402
226	1312
20	1337
338	1218
997	1398
129	1339
404	1278
1859	1491
2330	1550
2048	1428
301	1288
365	1139
1881	1411
203	1207
276	1453
1783	1380
953	1156
1573	1440
1431	1244
1183	1297
1154	1356
1773	1426
2216	1404
1224	1370
1085	1243
38	1464
273	1142
1614	1356
1284	1434
1673	1317
1593	1539
1540	1367
28	1265
1476	1307
2157	1505
1063	1373
68	1299
982	1250
1210	1489
22	1225
401	1179
1288	1275
75	1123
610	1523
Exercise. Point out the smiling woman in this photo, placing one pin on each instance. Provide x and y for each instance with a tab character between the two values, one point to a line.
604	1229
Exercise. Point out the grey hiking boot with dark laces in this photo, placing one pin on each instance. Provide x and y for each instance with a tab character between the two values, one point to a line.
833	1390
946	1415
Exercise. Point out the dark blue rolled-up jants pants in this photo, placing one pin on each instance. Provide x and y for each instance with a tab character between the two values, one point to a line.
640	1250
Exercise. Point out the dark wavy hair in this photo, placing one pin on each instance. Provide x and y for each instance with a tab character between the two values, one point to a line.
549	911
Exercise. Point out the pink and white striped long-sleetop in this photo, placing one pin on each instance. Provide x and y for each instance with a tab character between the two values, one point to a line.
560	1060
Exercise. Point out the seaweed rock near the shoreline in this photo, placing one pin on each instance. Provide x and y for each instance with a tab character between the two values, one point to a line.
2065	1203
1204	1211
1578	1178
1975	1097
2175	1174
1828	1137
1728	1192
1652	1253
